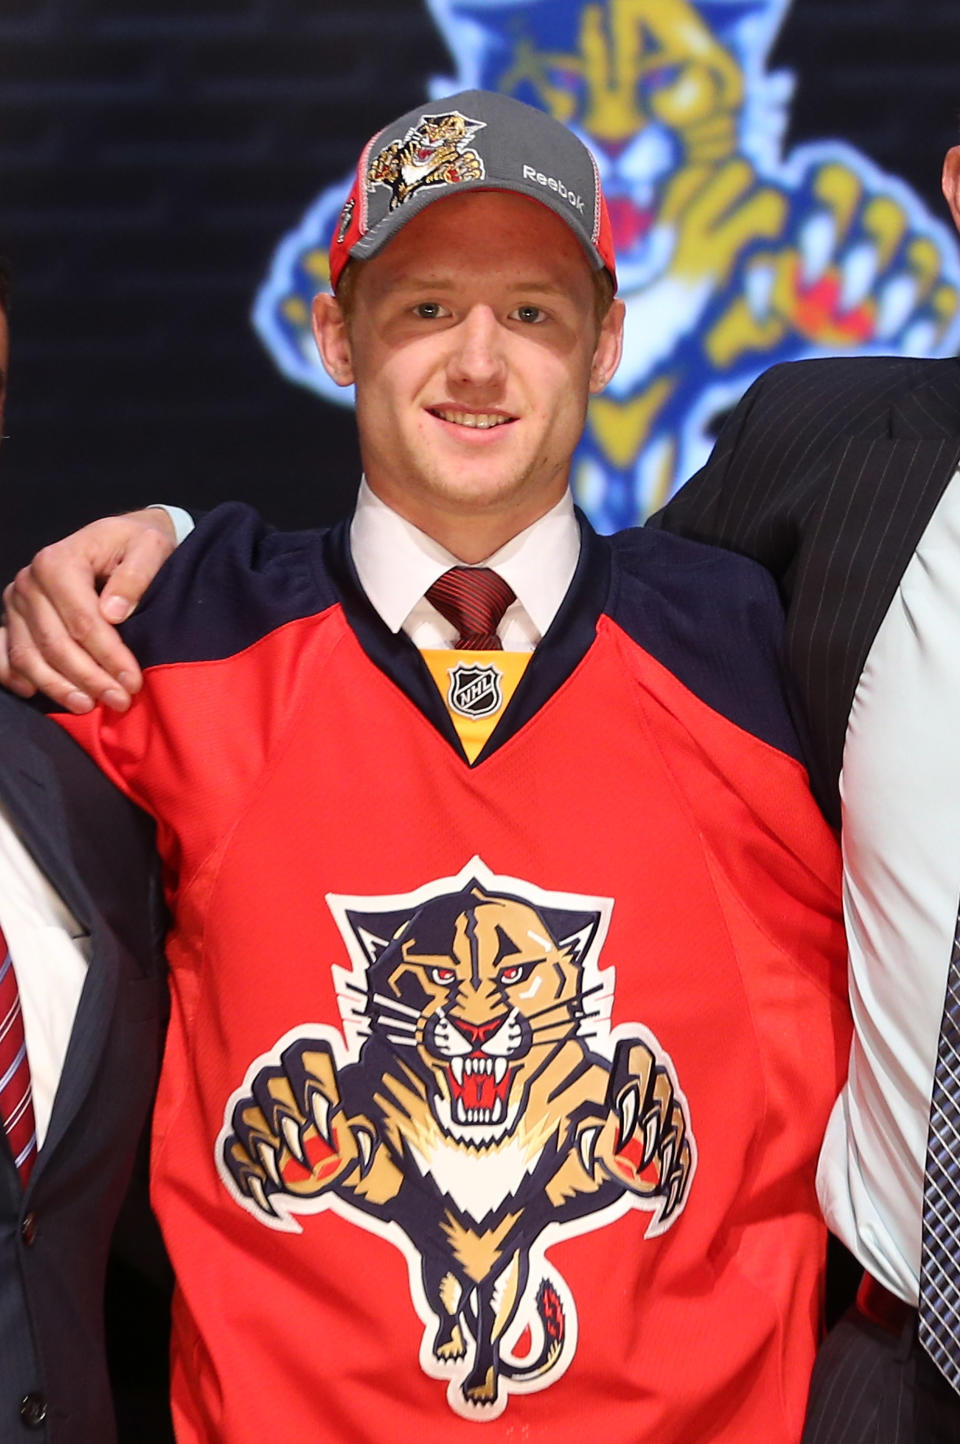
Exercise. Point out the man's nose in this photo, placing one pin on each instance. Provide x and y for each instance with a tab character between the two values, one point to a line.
477	356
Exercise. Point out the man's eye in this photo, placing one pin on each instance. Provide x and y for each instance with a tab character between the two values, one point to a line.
532	315
428	310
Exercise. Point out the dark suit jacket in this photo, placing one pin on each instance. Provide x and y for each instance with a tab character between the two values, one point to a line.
827	472
97	851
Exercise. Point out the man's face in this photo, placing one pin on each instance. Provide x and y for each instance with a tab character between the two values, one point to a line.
473	343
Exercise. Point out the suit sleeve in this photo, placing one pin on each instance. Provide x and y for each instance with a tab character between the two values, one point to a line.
751	495
701	509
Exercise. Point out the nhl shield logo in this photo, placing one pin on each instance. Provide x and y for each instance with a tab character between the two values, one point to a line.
475	690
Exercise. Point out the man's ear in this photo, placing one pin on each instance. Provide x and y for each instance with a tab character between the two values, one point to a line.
951	182
333	343
609	348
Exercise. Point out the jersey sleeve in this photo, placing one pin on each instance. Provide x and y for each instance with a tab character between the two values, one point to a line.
715	620
197	737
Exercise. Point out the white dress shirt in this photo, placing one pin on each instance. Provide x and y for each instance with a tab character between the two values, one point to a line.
900	789
396	563
50	957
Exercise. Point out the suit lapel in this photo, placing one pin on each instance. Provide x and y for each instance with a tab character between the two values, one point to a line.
31	793
85	1049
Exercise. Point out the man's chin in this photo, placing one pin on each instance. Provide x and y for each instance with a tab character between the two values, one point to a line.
476	487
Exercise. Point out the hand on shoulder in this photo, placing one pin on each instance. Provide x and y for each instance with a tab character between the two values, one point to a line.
61	611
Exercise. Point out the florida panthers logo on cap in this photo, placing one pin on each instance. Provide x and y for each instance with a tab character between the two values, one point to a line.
432	153
475	691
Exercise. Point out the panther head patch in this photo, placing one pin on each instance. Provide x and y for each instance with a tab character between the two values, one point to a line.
430	154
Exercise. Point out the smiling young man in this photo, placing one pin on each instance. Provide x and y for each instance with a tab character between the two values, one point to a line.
507	972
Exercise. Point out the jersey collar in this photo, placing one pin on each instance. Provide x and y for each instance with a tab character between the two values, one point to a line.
564	644
396	562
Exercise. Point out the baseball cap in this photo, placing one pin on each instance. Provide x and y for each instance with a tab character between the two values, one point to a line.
475	140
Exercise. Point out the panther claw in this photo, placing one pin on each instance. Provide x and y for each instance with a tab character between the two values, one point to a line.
320	1108
291	1137
259	1195
587	1148
627	1108
268	1158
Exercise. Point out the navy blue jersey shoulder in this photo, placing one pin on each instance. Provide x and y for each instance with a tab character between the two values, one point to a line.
231	582
714	620
710	617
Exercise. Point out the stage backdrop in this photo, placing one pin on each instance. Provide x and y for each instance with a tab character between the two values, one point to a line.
171	171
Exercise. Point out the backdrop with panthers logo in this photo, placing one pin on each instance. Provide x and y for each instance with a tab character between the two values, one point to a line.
171	173
734	250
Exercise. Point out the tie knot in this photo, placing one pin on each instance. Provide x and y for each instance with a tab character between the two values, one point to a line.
473	599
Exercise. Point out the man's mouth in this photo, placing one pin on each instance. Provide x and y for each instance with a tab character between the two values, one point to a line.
476	420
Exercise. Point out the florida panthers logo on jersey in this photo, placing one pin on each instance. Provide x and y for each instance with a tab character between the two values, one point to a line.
432	153
475	1098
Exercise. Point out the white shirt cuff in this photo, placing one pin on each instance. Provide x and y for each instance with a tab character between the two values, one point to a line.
183	522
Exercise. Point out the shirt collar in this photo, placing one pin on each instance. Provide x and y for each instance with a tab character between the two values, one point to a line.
396	562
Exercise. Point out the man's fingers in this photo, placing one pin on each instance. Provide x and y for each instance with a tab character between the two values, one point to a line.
120	554
53	609
60	611
61	627
44	656
143	556
69	633
8	678
53	597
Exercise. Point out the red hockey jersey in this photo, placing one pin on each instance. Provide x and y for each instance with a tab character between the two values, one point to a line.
493	1093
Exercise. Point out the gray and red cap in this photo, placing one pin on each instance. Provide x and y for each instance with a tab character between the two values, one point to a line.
475	140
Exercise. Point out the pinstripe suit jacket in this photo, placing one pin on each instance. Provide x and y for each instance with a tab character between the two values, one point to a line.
827	472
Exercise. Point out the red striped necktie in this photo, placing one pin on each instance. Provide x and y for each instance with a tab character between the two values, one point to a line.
474	600
16	1093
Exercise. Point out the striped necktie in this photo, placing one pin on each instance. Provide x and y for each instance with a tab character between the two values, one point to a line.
473	599
939	1310
16	1093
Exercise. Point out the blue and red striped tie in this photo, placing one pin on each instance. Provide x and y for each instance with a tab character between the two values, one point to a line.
473	599
16	1093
